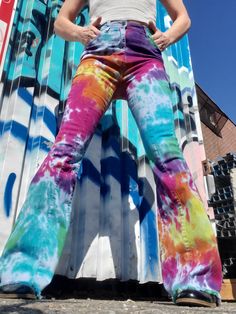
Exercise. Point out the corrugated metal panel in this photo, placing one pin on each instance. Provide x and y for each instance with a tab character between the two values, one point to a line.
178	64
113	231
6	19
233	183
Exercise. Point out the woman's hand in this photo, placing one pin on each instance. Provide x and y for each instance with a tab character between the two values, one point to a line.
181	24
162	40
87	33
65	27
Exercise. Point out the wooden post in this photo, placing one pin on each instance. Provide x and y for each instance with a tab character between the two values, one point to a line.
228	291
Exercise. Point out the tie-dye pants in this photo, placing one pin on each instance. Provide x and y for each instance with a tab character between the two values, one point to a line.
122	62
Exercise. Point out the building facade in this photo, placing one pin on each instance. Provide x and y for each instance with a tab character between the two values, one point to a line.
219	137
219	131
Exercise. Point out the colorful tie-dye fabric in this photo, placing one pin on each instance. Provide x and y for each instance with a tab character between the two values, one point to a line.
122	62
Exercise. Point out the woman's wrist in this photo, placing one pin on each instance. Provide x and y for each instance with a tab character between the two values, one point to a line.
76	33
178	29
171	38
72	32
67	29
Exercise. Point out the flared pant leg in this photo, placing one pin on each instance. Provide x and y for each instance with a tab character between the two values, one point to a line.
189	255
33	249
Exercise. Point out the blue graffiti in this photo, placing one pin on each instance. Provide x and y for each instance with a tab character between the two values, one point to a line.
8	194
17	129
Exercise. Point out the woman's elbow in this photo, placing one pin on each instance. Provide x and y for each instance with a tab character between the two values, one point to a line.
56	26
188	23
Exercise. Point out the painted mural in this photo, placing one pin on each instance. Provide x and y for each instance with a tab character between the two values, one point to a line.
6	14
114	206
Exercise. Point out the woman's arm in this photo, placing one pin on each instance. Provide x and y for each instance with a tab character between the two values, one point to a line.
64	24
181	24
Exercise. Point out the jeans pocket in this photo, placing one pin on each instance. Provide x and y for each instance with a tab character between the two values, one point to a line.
106	43
150	39
95	41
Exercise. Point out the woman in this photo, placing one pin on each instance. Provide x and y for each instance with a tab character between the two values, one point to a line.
122	59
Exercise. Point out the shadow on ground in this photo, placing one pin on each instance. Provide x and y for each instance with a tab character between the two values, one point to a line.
15	307
112	289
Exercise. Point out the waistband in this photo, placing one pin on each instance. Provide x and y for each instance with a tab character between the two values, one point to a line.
124	23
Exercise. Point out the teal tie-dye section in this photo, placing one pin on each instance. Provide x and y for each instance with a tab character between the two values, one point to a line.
155	114
36	243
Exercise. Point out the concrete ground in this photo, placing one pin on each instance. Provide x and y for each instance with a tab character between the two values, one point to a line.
108	297
71	306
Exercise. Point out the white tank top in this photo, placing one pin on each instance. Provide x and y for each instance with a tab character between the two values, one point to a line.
109	10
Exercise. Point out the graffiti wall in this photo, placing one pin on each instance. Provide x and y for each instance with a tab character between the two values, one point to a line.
6	15
113	232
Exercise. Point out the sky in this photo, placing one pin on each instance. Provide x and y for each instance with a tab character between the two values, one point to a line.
212	39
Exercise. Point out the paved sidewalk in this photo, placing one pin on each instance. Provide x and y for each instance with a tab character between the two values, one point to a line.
71	306
108	297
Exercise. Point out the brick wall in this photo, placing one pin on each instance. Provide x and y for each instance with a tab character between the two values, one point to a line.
216	146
